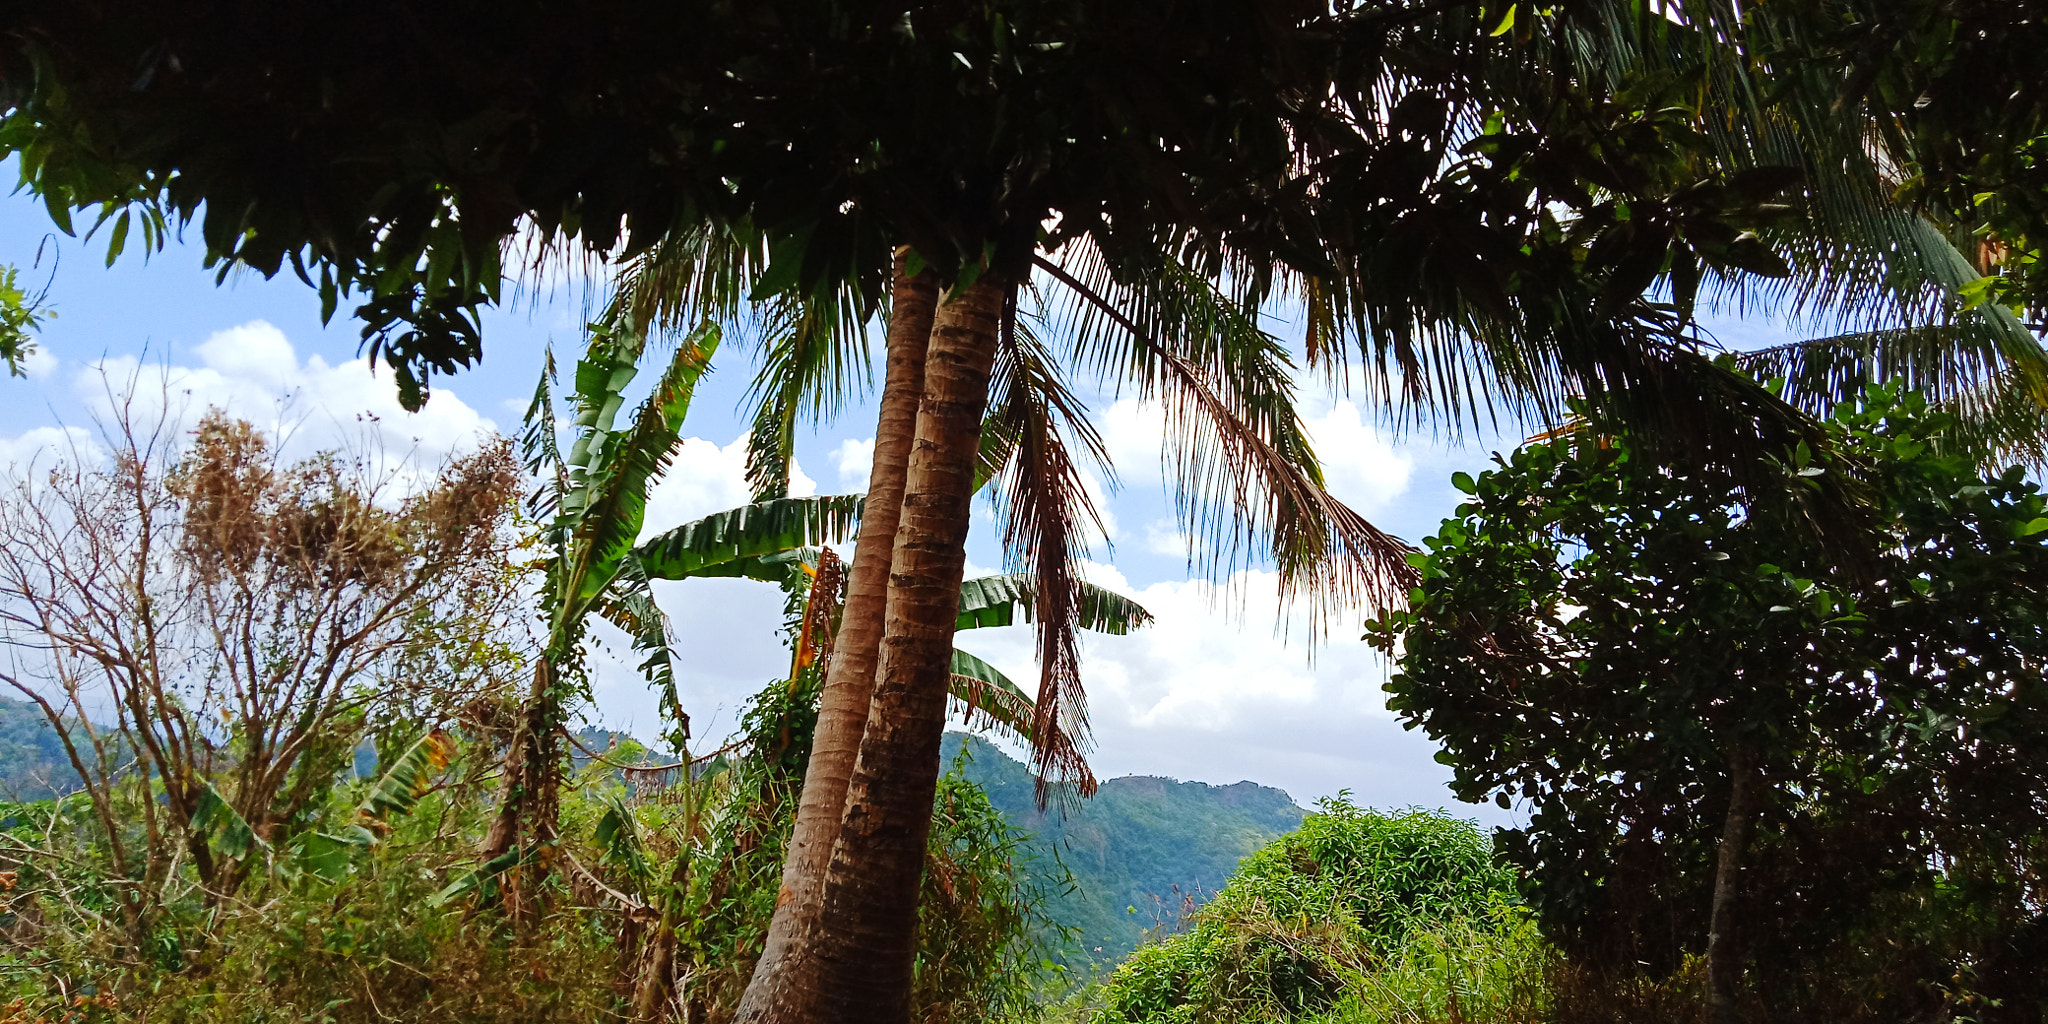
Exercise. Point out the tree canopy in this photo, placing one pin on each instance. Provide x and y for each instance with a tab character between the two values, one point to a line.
1624	650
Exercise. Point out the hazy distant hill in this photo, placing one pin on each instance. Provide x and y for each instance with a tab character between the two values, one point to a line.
1134	843
33	765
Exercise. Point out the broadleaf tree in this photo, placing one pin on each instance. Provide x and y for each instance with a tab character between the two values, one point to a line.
1730	743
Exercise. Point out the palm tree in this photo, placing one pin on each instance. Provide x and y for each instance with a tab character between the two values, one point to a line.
849	682
1229	385
773	540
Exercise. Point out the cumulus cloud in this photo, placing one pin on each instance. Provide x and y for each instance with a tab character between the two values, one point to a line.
705	477
1133	432
854	458
253	372
39	364
1361	468
45	446
1221	688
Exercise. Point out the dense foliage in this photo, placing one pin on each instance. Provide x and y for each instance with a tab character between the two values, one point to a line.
352	892
1311	916
1829	758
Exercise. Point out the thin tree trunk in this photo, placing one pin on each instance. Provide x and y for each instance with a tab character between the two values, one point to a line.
785	984
1724	966
868	939
530	784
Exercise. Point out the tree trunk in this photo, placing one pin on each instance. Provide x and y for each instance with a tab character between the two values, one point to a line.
1724	966
530	782
785	984
868	939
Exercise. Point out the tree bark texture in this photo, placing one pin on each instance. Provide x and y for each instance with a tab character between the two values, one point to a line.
530	786
1724	965
786	982
869	934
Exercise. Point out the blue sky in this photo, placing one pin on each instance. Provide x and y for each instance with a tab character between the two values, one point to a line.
1222	688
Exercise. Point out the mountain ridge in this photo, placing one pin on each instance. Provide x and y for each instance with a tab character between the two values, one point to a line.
1143	851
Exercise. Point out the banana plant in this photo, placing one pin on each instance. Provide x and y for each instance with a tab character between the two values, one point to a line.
593	510
780	541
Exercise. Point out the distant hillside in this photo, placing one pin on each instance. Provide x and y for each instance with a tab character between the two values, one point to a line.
1138	847
33	765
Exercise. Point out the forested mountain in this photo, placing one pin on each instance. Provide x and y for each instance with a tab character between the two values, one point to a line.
33	765
1138	850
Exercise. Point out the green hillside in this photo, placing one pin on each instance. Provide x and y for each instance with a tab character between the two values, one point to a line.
33	765
1138	849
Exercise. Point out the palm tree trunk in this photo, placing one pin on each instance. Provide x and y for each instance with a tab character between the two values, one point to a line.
868	939
1724	968
785	985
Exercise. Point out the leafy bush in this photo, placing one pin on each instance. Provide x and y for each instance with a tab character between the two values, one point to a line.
1351	894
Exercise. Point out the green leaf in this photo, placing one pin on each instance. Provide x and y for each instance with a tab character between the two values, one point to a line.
225	828
1463	481
476	878
410	776
325	855
1507	24
738	541
610	474
119	239
618	835
993	601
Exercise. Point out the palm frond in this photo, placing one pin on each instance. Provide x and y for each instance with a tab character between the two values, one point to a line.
994	601
703	272
737	539
1243	470
816	629
813	359
988	699
1042	502
813	341
1245	476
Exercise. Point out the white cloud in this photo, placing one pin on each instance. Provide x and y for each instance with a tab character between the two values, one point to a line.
1359	466
1165	537
854	458
1105	509
253	372
39	364
1212	690
43	447
706	478
1133	432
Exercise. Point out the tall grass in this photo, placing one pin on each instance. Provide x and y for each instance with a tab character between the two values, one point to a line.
1466	971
